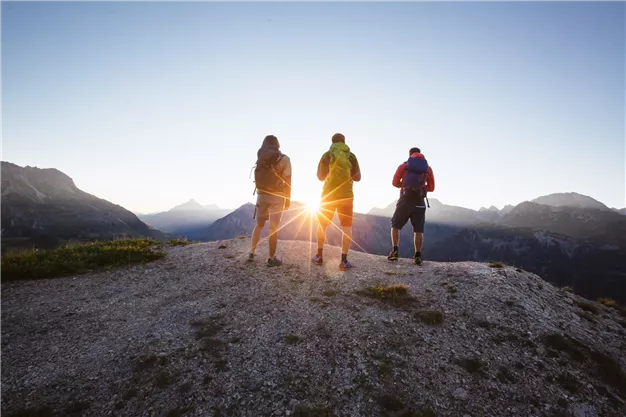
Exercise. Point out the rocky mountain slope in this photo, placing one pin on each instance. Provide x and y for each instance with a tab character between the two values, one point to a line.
580	248
204	332
186	219
570	200
44	205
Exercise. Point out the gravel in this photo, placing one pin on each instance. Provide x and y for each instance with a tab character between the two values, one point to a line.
205	332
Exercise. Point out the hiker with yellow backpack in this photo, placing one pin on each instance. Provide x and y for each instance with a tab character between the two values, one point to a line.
338	168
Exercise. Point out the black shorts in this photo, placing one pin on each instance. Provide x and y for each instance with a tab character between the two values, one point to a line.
407	209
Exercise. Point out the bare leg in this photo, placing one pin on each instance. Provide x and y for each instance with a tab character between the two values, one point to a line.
256	235
346	240
273	238
395	237
418	241
321	236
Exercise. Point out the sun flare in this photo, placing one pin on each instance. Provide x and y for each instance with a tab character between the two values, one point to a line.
312	205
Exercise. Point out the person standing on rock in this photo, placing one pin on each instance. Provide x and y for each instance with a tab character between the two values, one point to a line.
272	177
338	168
414	178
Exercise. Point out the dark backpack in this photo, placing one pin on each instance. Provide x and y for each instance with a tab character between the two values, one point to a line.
415	180
266	176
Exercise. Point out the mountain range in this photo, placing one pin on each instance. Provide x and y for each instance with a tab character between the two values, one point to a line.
567	238
573	245
43	208
185	219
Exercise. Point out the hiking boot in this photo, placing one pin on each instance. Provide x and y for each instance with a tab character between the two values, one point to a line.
250	257
275	261
417	260
345	265
393	256
317	260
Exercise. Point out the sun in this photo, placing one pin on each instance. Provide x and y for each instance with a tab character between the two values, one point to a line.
312	204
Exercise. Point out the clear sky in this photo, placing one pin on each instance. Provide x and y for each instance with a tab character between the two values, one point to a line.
150	104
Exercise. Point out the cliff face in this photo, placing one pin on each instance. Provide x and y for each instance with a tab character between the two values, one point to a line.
205	332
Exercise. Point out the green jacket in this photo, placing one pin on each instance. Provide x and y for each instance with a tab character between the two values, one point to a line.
338	168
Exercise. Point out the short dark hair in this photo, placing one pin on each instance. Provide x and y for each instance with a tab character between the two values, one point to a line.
338	137
270	140
414	150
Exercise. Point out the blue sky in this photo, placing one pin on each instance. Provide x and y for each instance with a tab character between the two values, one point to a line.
150	104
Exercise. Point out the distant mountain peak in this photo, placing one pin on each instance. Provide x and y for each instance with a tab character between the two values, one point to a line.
571	199
189	205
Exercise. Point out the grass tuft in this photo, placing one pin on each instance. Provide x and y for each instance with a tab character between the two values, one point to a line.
587	306
566	344
179	242
470	365
607	302
222	246
430	316
302	410
330	293
569	382
495	265
388	291
77	259
292	339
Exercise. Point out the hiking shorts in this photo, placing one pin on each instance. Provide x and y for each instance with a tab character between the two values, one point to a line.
405	210
269	207
344	209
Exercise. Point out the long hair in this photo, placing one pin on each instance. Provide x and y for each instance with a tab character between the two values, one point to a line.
270	141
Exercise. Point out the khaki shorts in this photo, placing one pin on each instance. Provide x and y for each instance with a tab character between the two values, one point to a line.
269	207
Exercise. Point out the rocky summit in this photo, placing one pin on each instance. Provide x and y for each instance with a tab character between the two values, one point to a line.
204	332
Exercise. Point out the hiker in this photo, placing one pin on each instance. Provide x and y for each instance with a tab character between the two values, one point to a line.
338	168
272	177
414	178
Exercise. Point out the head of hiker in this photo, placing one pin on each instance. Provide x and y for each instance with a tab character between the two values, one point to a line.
270	141
414	150
338	137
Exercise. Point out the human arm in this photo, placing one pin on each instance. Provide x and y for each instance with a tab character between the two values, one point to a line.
430	180
355	171
286	174
398	177
323	167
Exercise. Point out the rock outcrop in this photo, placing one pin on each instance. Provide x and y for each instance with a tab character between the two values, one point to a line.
206	332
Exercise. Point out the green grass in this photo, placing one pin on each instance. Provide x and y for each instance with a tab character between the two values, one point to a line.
385	291
179	242
78	258
292	339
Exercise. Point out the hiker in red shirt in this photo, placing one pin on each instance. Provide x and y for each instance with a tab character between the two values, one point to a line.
414	178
